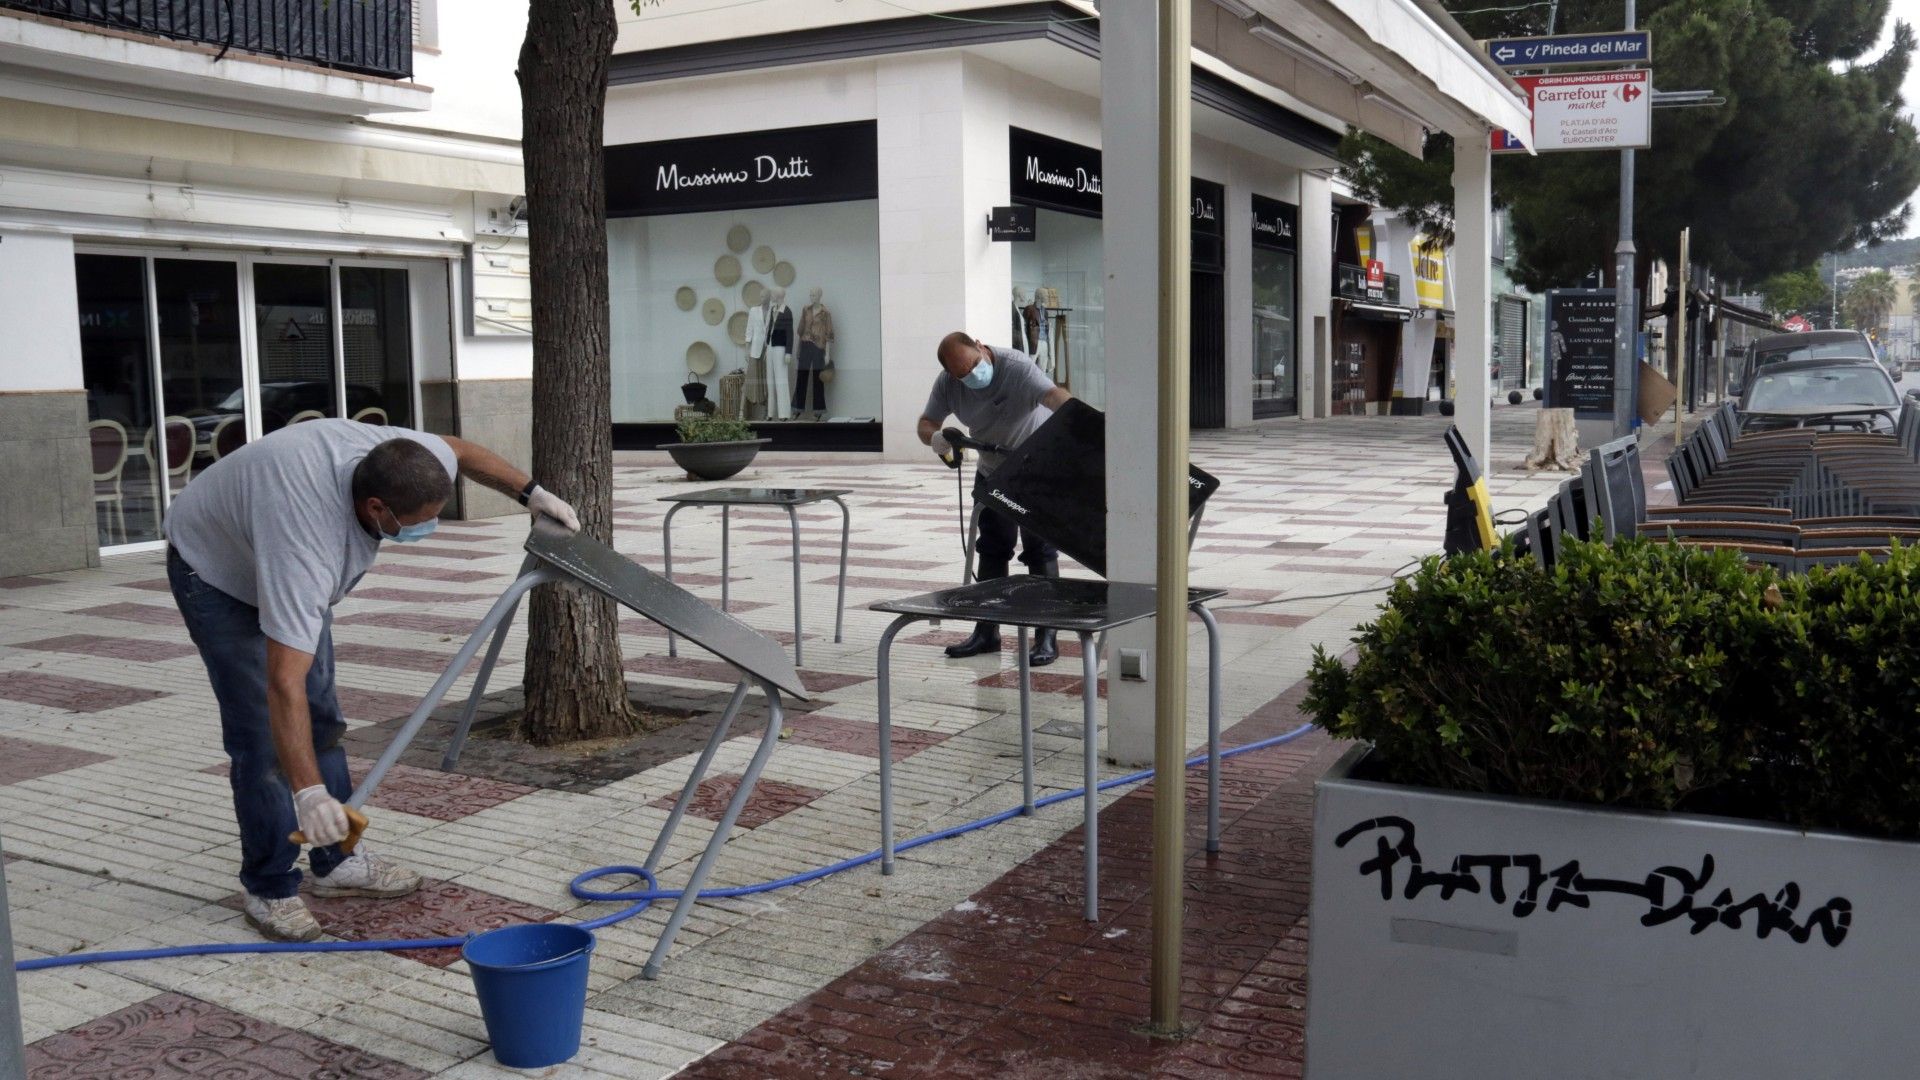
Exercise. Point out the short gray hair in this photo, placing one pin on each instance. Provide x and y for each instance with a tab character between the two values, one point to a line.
404	474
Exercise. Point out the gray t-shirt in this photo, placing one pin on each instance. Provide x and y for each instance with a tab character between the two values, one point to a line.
1005	413
272	523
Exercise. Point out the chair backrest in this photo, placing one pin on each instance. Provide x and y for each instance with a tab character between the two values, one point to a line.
180	440
1815	539
1732	532
1542	538
1571	519
109	442
305	415
372	414
1658	516
1841	556
1616	489
228	436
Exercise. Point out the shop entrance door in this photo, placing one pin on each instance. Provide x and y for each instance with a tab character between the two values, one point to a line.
1207	353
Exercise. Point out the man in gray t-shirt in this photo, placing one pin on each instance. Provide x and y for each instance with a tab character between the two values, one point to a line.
1003	397
261	546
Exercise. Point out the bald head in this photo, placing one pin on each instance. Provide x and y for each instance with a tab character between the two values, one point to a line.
959	352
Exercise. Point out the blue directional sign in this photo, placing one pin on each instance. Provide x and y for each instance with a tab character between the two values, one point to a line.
1561	50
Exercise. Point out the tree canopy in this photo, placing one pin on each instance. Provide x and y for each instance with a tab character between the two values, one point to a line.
1799	292
1804	157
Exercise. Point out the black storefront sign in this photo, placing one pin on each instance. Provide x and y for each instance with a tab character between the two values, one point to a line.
1276	225
1209	225
1011	223
781	167
1580	372
1054	173
1350	283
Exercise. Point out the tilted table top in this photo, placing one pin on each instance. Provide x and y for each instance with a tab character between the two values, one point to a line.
744	496
1075	604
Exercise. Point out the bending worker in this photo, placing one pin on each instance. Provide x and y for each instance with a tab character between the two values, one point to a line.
260	547
1003	397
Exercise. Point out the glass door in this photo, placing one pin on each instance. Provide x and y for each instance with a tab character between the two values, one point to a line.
293	325
202	381
376	335
116	361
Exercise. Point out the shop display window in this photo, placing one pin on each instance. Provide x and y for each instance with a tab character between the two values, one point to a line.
1059	302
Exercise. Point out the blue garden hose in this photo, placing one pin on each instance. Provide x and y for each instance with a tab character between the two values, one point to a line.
641	898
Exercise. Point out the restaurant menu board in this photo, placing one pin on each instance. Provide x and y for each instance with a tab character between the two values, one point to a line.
1580	351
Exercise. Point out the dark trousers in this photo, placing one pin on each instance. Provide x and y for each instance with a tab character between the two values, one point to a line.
994	548
809	393
227	632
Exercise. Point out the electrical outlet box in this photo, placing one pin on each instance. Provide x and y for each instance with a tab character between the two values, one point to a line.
1133	665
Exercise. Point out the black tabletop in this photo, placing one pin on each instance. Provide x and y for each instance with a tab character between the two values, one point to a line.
598	566
1076	604
740	496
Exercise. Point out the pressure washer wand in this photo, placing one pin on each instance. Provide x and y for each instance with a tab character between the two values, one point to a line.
960	440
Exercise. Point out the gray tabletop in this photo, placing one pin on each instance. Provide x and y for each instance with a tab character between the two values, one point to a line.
593	563
1075	604
743	496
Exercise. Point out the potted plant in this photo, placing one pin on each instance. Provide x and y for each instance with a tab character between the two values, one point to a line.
1647	814
714	449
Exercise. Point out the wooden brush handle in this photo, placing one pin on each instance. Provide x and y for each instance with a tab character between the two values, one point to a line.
356	824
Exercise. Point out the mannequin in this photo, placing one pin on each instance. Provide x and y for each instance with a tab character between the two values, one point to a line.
1021	340
770	341
1036	320
816	354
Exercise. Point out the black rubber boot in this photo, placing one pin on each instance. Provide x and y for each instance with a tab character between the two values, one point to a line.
986	635
1046	646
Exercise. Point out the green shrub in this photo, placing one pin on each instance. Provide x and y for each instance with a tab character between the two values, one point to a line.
697	429
1649	675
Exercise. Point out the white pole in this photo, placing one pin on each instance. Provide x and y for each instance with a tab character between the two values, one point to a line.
1473	299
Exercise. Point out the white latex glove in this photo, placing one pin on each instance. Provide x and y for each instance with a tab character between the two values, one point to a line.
321	817
940	444
542	501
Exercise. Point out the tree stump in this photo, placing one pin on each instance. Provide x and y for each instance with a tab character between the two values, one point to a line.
1556	442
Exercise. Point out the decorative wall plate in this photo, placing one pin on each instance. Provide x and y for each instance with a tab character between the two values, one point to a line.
752	293
726	270
700	358
738	238
684	298
713	311
737	327
763	259
783	274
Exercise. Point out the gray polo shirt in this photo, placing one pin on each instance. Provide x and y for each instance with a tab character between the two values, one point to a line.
272	523
1005	413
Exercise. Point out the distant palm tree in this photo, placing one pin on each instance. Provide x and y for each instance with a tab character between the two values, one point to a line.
1870	299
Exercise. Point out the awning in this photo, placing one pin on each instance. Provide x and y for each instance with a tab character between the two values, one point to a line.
1386	312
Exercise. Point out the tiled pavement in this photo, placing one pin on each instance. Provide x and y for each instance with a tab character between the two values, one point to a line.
970	960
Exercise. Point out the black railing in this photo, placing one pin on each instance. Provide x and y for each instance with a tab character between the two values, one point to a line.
370	37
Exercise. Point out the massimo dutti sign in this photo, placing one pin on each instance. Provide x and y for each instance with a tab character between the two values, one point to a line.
1053	173
1275	224
780	167
1208	218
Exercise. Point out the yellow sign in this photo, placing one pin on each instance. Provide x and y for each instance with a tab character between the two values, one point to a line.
1363	239
1429	271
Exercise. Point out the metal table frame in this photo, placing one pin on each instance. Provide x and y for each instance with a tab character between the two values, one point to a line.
813	495
497	622
1090	733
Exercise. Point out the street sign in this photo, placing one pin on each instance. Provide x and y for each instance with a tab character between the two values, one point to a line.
1567	50
1798	324
1595	110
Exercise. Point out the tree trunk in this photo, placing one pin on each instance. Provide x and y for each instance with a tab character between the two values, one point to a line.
576	688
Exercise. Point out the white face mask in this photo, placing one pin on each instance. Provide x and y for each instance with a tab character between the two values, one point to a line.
408	534
980	377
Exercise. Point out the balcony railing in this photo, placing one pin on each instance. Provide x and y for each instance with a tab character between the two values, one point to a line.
370	37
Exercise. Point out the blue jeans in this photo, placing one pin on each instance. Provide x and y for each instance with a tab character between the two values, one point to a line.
227	632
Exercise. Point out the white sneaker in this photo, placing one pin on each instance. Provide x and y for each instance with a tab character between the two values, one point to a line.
366	874
285	919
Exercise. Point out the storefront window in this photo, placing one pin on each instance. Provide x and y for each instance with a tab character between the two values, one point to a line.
1058	276
375	330
744	277
1275	304
293	317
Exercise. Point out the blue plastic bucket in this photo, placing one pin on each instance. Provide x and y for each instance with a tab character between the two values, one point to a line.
532	985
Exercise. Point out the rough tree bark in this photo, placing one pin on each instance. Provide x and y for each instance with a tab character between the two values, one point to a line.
576	688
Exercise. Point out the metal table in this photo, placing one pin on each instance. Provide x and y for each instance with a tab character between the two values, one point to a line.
788	499
1069	605
553	555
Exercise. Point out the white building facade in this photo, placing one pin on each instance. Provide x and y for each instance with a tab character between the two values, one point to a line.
215	224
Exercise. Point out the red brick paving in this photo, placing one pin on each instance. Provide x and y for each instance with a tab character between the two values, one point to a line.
1014	983
857	736
770	799
435	573
386	656
146	614
150	585
74	695
417	596
1043	681
21	759
374	705
426	793
138	650
172	1035
1068	644
434	552
26	582
422	621
436	909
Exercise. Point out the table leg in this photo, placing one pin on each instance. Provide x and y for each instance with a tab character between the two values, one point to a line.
1090	760
886	739
690	893
726	574
666	542
459	740
846	531
1213	726
1026	729
793	519
698	774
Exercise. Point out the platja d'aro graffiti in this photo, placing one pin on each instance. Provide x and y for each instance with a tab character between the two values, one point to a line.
1672	893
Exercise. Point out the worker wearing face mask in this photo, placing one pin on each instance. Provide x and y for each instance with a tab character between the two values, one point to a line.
1002	397
260	547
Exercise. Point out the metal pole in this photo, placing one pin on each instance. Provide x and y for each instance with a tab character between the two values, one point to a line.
1680	339
1626	317
13	1051
1170	573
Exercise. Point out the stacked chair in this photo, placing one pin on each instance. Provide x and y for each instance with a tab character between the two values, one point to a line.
1790	499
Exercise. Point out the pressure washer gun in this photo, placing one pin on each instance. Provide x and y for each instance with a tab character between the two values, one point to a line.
960	440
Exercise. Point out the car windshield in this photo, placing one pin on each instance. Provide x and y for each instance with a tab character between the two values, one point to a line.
1828	350
1821	386
234	402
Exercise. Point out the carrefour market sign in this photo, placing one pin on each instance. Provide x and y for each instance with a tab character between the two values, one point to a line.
1596	110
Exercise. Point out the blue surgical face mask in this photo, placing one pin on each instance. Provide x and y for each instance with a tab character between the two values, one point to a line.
408	534
980	377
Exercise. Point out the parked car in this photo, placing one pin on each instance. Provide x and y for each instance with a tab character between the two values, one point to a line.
280	402
1854	394
1814	345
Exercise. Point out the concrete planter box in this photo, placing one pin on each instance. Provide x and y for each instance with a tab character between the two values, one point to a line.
714	460
1459	937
